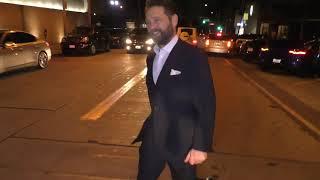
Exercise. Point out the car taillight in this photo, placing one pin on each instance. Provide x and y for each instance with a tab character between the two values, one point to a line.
219	34
229	44
194	42
207	42
297	52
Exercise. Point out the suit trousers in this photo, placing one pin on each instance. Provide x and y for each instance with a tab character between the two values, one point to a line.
152	163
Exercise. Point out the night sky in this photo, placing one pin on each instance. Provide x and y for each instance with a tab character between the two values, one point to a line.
190	11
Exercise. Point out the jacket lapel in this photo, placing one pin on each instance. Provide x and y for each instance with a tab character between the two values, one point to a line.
172	58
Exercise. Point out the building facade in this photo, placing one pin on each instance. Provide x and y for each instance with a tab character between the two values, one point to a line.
46	19
279	19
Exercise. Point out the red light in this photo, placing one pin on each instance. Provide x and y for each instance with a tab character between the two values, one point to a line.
297	52
219	34
194	42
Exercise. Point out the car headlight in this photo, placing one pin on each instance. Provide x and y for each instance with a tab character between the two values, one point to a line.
149	41
84	39
128	41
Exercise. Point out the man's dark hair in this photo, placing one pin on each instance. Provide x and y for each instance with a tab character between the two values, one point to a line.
168	5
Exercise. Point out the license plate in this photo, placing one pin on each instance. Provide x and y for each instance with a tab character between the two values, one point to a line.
276	60
250	49
138	47
72	46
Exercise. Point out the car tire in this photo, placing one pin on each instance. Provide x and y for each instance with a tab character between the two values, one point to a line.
92	50
43	60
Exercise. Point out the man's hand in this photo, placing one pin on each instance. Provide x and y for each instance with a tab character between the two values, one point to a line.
195	157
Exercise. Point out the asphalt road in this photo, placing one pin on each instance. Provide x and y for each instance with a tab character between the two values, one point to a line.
267	124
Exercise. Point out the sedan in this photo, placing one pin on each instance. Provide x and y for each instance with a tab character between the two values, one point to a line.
19	49
218	43
277	53
251	50
87	40
305	61
139	41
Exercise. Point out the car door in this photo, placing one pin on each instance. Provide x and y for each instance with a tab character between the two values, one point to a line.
2	54
28	47
12	54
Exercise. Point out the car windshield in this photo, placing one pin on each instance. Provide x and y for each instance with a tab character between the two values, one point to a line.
215	37
286	44
139	31
81	30
189	31
248	36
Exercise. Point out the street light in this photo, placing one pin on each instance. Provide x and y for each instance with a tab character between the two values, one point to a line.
206	5
114	3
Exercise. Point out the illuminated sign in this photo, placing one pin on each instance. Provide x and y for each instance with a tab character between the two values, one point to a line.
72	5
245	16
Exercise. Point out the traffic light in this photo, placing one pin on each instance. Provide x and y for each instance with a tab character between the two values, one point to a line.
205	21
219	28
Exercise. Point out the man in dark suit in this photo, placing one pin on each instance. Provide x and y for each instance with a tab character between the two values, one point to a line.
179	130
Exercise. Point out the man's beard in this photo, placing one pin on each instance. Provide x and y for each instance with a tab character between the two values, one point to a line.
164	37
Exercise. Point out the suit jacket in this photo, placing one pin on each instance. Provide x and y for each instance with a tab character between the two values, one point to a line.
182	105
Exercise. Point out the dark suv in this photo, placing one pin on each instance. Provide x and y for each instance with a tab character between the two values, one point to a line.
86	40
139	40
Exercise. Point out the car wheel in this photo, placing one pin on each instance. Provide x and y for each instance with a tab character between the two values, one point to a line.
43	60
92	50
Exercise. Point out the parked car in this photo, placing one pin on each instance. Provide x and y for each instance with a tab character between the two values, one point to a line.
118	37
218	43
139	40
251	50
241	39
305	61
86	40
20	49
276	53
188	34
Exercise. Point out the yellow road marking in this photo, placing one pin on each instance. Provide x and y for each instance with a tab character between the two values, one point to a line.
105	105
289	110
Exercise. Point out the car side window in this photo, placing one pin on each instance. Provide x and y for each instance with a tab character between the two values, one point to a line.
25	38
11	37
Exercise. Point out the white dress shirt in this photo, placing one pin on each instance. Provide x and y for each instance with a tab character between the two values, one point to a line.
161	57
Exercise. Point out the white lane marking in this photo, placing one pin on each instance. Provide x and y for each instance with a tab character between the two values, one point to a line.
289	110
105	105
